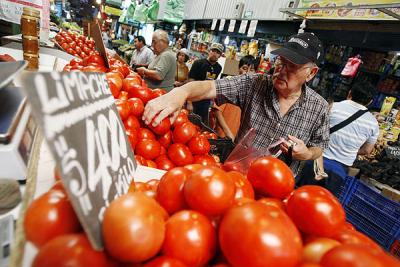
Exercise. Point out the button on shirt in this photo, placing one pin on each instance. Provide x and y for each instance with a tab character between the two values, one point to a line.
142	57
345	143
307	119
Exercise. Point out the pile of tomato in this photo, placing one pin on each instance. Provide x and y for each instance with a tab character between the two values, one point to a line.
199	215
75	44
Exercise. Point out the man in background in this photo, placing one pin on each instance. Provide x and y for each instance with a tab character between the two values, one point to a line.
143	55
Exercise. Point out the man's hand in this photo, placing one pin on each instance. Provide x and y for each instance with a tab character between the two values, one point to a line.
164	106
300	151
141	71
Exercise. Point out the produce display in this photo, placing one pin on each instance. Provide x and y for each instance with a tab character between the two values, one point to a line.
75	44
198	215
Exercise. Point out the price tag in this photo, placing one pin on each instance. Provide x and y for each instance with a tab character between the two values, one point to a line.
77	115
393	152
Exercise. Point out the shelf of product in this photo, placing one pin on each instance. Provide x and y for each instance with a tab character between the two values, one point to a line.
75	44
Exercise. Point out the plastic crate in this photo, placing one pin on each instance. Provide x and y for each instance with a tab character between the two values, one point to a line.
342	189
373	214
395	248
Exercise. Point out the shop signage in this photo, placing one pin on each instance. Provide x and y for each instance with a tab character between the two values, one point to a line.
361	14
112	11
243	26
221	24
393	152
252	28
232	24
87	139
96	34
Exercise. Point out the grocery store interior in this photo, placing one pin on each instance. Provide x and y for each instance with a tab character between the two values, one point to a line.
199	133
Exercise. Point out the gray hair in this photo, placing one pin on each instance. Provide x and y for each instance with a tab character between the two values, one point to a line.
161	35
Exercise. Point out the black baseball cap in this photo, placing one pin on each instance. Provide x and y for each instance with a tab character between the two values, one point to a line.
302	48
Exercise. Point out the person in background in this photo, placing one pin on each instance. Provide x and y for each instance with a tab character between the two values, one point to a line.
182	71
277	106
161	70
358	137
105	35
246	65
205	69
143	55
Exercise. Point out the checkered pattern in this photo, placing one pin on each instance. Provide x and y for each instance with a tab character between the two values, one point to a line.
307	119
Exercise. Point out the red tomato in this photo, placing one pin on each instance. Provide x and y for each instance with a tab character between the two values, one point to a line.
151	164
190	238
153	184
193	167
242	201
78	50
180	154
92	68
199	145
137	222
123	108
348	236
114	89
162	128
243	188
58	186
144	133
132	137
141	160
140	92
164	163
205	160
164	261
166	139
136	106
49	216
148	148
71	51
70	250
67	68
138	187
184	133
132	123
86	49
271	177
308	264
256	235
272	202
114	78
170	190
130	82
315	211
163	151
210	191
158	92
351	255
180	119
96	59
65	46
316	249
75	61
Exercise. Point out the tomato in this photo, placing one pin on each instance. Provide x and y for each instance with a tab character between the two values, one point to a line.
148	148
163	151
308	264
137	222
65	46
271	177
316	249
67	68
190	238
351	255
256	235
139	187
348	236
166	139
123	108
96	59
86	49
75	61
162	128
170	190
58	186
199	145
184	133
144	133
71	51
315	211
193	167
132	123
140	92
132	138
114	89
164	261
78	50
92	68
164	163
158	92
243	188
272	202
180	119
242	201
180	154
136	106
49	216
141	160
70	250
210	191
205	160
114	78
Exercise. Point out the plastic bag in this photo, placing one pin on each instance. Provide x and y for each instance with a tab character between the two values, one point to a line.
153	10
140	13
174	11
352	65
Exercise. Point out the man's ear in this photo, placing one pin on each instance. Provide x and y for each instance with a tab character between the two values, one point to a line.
312	73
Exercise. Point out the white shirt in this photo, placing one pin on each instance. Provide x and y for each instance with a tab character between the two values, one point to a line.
345	143
142	57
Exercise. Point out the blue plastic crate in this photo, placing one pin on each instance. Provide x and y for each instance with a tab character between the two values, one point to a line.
373	214
342	189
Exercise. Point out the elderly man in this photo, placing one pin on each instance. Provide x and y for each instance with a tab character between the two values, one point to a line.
276	106
143	55
161	71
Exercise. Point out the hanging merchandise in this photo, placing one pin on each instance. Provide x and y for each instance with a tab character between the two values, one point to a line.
352	66
128	13
174	11
152	12
140	15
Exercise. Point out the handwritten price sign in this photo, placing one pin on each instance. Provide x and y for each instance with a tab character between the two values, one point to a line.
87	138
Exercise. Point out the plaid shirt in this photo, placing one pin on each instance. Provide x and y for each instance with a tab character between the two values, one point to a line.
307	119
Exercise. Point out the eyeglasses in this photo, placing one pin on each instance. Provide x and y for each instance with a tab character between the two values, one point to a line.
290	67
